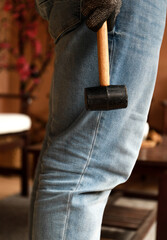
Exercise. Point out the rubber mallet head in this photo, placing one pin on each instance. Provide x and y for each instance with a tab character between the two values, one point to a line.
105	97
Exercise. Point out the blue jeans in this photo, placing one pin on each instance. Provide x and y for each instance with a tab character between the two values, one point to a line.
86	154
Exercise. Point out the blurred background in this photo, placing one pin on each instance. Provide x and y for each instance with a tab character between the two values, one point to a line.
26	68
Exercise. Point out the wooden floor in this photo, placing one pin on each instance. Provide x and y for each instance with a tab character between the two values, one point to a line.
11	185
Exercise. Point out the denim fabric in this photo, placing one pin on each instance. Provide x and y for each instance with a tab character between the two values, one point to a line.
86	154
65	13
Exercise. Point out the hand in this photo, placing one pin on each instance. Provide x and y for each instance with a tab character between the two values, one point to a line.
98	11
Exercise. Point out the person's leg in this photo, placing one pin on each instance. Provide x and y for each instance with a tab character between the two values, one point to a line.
87	154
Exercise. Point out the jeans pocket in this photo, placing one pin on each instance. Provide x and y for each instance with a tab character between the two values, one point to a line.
63	16
44	8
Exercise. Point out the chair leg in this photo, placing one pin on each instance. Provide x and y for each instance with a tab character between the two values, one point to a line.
24	167
162	210
24	173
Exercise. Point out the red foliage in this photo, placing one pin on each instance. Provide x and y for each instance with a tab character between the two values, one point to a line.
26	24
5	45
8	6
23	68
37	47
31	30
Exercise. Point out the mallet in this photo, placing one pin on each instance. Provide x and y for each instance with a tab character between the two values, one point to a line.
106	96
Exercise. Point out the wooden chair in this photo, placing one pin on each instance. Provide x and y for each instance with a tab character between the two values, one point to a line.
125	223
14	132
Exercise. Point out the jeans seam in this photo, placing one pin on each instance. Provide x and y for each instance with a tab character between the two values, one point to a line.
112	56
66	30
38	183
82	174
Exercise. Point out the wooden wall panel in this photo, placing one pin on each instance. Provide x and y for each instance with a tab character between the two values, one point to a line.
160	93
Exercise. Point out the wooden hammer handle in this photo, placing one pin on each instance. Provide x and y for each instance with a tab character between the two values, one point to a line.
103	55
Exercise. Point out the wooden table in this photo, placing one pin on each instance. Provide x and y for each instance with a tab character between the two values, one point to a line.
153	161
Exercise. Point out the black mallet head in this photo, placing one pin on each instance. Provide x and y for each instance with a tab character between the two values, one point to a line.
106	97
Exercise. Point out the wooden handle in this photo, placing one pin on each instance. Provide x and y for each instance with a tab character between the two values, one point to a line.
103	55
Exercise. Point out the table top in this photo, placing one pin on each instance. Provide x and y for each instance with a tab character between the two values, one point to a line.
156	156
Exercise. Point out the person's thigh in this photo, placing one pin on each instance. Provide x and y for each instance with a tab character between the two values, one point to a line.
89	153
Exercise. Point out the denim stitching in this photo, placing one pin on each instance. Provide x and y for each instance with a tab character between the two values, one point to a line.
91	150
82	174
57	35
64	31
35	196
111	53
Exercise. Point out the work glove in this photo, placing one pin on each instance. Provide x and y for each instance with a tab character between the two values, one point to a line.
98	11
